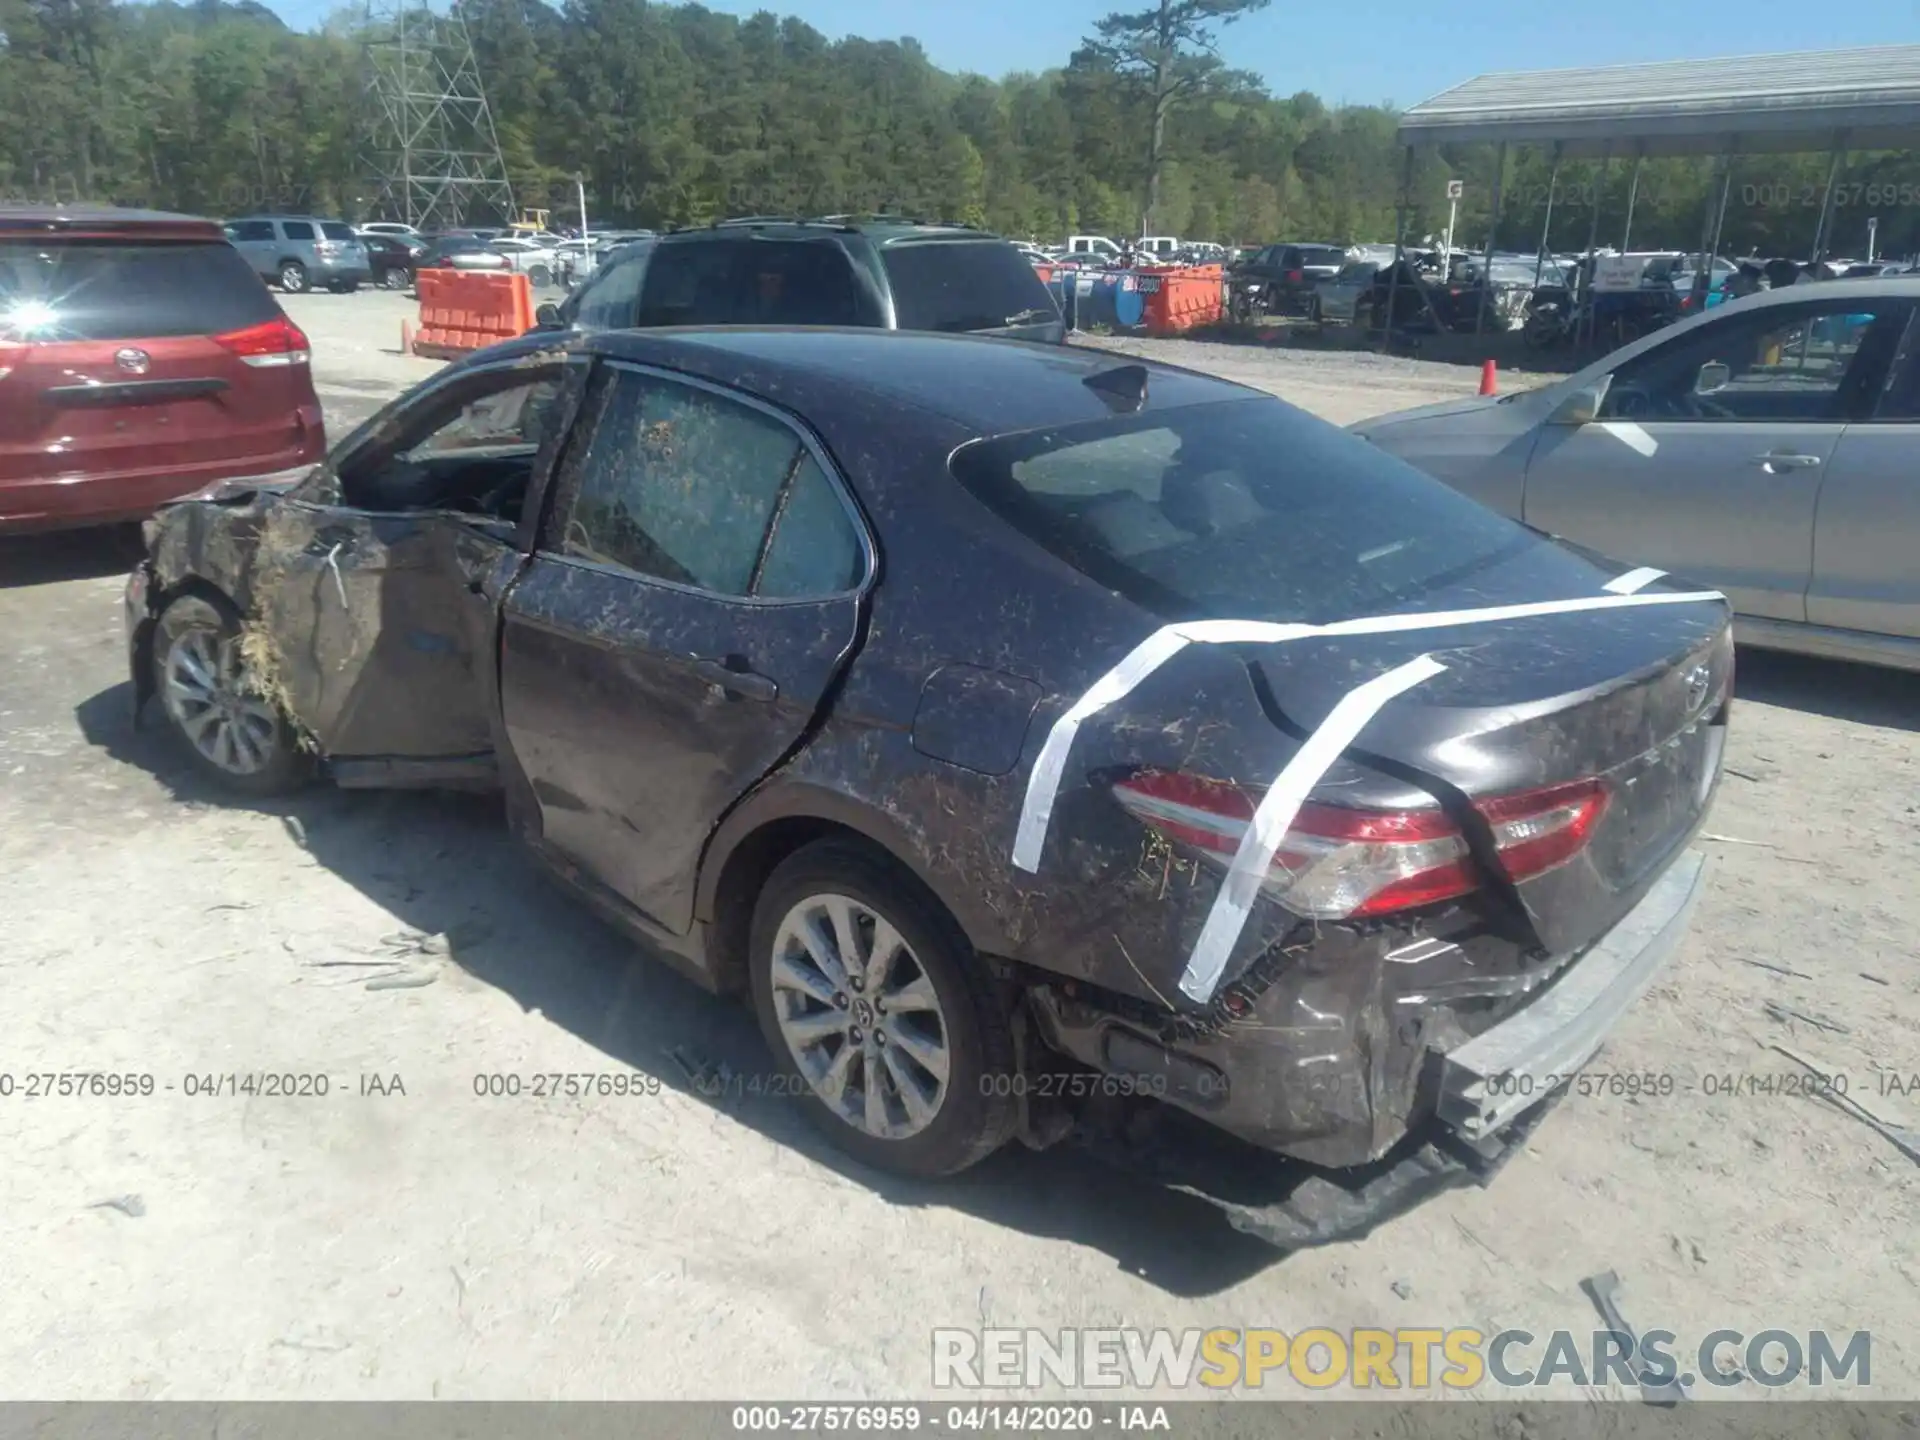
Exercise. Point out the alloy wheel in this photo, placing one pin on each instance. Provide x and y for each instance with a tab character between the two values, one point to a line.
860	1016
207	695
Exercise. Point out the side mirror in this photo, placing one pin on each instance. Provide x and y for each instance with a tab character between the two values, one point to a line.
1714	375
547	317
1582	406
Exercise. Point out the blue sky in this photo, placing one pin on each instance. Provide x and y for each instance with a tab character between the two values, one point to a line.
1393	50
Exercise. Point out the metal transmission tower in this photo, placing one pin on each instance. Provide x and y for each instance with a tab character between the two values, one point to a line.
435	155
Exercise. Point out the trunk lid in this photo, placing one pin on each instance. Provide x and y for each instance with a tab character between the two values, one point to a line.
1633	697
109	364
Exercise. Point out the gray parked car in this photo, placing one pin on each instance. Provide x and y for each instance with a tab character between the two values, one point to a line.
297	252
1765	448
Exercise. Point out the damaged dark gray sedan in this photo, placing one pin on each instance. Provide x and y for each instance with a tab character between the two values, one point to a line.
1049	744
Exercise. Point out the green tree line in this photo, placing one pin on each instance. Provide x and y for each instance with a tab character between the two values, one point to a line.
675	114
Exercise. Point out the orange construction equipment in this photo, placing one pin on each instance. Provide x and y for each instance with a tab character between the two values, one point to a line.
466	310
1489	378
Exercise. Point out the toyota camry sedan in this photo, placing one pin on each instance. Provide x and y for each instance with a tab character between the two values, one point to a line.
1044	743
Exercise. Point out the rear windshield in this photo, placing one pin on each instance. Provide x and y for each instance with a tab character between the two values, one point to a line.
750	281
53	289
1248	509
1317	255
333	230
964	285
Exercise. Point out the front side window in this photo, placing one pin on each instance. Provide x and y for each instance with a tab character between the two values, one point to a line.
1817	362
245	230
610	301
684	485
503	419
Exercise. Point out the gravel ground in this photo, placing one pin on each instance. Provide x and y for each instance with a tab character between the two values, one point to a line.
378	1244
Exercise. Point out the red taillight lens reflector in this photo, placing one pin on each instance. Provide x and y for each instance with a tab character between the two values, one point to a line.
272	342
1338	863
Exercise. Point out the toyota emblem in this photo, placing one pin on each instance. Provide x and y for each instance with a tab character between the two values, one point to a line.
132	361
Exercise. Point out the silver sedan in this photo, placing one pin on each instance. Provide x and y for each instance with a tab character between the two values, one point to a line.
1766	448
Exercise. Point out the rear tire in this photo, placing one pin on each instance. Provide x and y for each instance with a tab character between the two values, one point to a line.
293	277
395	280
923	1024
234	736
539	276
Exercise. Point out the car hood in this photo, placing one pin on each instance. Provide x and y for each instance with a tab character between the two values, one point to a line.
1440	410
239	490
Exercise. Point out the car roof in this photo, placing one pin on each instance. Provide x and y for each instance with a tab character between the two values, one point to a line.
881	230
1891	287
98	219
990	386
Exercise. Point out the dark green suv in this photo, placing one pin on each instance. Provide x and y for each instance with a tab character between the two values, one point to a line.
878	272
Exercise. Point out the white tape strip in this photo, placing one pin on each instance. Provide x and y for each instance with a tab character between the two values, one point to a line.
1633	580
1043	784
1282	802
1145	658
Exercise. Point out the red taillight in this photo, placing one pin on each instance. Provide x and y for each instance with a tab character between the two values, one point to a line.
1338	863
1295	276
272	342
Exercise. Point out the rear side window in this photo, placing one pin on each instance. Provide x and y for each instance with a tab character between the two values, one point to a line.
677	483
681	484
54	290
958	285
1247	509
814	550
333	230
750	281
296	229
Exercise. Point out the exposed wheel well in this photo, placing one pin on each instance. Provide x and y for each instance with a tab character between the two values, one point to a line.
745	874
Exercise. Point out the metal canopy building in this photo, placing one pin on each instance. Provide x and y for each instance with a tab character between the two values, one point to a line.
1868	99
1835	100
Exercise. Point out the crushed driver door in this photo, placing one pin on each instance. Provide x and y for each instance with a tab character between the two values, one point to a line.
375	621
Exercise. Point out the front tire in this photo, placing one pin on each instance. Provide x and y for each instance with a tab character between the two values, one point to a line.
868	992
540	277
293	277
395	280
234	736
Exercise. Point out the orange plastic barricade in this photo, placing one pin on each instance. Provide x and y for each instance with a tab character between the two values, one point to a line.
467	310
1181	300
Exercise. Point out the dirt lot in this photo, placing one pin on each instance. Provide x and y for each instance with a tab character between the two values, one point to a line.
432	1243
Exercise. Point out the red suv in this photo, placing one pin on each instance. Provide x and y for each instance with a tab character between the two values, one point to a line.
140	359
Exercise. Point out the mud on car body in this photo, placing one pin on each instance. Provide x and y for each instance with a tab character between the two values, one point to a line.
762	631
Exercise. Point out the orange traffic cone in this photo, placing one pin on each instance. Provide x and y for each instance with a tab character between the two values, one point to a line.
1489	378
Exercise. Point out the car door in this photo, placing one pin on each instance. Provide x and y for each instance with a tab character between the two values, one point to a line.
695	590
374	578
254	239
1720	481
1867	530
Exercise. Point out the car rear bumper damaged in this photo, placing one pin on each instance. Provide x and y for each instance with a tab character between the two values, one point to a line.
1500	1072
1366	1038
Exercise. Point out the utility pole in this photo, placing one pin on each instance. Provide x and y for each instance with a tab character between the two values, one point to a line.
1455	189
433	153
